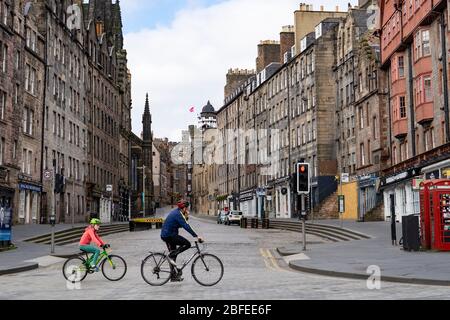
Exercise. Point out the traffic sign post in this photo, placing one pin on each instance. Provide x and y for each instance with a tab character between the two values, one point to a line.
303	188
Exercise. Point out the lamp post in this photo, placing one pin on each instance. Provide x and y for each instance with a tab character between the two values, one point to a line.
143	188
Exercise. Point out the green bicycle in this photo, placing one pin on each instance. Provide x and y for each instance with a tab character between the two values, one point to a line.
113	267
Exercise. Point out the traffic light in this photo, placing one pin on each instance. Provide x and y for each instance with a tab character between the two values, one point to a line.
303	178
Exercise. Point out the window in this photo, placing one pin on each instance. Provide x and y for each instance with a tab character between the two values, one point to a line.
427	89
303	134
426	43
401	67
314	130
17	61
3	57
423	90
27	158
27	121
363	155
2	105
31	39
2	152
30	78
375	128
422	44
361	118
402	104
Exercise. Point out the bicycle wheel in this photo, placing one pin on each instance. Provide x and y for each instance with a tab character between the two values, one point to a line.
114	268
155	269
75	270
207	270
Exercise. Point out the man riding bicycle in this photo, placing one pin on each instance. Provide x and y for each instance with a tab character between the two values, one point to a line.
169	234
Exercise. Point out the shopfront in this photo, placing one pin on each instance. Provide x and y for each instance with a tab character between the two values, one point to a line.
282	199
248	203
368	197
404	189
29	203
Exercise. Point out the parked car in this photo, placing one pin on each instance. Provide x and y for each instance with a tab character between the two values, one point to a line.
221	217
234	217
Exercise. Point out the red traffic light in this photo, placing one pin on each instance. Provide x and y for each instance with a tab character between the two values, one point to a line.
302	169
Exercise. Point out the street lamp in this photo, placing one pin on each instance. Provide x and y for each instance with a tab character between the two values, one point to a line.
143	188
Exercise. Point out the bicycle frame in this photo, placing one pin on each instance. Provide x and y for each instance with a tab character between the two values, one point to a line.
197	253
103	255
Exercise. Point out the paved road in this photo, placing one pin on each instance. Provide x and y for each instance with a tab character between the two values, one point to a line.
252	271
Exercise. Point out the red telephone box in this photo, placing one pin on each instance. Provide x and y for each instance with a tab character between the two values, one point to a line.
425	214
439	204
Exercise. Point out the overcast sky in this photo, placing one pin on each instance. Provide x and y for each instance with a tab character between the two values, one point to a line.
179	51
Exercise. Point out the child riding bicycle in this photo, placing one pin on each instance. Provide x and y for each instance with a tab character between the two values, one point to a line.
91	235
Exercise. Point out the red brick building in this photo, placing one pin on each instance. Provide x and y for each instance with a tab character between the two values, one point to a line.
414	53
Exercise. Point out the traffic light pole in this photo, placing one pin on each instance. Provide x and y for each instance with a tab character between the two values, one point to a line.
303	213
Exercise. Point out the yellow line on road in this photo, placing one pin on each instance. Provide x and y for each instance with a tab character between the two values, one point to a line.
266	260
274	261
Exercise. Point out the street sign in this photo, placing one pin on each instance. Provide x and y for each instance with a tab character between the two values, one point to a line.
260	192
345	178
48	174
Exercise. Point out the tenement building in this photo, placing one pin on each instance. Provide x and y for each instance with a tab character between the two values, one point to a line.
361	117
22	50
415	56
64	111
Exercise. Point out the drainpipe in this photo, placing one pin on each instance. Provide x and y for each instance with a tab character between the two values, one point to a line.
390	116
445	77
411	102
43	110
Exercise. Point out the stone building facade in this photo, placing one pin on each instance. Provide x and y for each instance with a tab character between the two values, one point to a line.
21	104
361	105
66	111
414	55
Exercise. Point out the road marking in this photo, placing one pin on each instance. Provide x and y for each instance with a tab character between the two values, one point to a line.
270	260
265	258
274	261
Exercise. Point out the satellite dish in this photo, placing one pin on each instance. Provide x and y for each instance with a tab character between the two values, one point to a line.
27	8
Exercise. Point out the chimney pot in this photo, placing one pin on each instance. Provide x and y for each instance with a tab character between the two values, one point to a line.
337	8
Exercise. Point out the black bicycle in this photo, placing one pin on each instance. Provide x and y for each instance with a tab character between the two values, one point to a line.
206	269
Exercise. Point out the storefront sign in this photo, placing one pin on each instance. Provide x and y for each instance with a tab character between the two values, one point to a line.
5	223
30	187
247	196
409	174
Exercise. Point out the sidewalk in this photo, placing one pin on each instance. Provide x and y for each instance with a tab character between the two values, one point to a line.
29	256
352	259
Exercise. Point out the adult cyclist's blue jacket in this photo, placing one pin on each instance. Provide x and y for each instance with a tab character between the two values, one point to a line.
174	221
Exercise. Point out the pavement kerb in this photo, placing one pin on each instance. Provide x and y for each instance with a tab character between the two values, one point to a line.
19	269
362	276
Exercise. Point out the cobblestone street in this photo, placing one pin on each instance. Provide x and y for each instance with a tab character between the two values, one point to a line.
253	270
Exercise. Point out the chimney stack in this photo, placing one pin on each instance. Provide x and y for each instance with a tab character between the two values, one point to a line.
287	40
268	52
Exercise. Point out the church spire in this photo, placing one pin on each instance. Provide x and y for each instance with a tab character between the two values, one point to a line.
147	121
